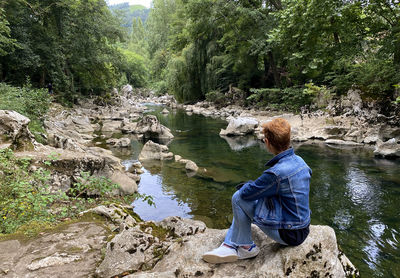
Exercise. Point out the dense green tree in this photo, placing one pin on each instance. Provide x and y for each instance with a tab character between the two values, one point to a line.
68	43
201	46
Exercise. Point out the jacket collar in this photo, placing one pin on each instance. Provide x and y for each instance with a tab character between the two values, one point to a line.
276	158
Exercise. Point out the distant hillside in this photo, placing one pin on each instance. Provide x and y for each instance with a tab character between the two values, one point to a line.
130	12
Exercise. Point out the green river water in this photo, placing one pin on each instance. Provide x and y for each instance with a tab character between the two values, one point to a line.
351	191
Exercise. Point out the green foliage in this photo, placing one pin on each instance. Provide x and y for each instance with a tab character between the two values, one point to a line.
30	102
374	76
88	185
134	67
7	44
199	46
216	96
33	103
291	98
27	201
24	195
68	43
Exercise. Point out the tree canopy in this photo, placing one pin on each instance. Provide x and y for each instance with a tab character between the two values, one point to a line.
199	46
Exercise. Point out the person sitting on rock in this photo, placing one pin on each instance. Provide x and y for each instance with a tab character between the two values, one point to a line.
277	202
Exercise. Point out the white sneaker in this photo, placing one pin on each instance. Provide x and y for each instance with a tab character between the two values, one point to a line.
247	254
222	254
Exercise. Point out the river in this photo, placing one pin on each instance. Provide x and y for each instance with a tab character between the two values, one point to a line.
351	191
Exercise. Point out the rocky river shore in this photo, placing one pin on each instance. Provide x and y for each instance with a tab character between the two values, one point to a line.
120	244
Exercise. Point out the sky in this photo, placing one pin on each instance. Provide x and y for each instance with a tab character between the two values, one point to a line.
145	3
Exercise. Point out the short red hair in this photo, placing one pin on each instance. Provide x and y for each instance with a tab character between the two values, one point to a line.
277	132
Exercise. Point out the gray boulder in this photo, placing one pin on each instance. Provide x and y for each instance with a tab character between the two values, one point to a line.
240	126
388	149
154	151
14	130
151	128
191	166
139	248
126	89
111	126
122	142
318	256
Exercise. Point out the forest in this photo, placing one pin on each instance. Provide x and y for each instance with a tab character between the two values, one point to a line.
277	52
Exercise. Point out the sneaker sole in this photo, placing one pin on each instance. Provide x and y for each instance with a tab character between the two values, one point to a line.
219	260
249	257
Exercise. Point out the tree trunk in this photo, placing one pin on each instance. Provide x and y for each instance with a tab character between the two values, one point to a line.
274	69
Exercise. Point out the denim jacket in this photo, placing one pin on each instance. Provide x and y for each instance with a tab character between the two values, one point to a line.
282	193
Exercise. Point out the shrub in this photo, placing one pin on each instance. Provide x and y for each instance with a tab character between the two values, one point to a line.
30	102
24	195
216	97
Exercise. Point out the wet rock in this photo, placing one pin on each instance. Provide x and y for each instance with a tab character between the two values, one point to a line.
165	111
388	149
191	166
121	143
126	184
151	128
240	127
154	151
342	142
136	168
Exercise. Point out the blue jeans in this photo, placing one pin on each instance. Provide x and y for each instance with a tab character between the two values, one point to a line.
239	234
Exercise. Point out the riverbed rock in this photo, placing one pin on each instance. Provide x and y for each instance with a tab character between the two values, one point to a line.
71	251
141	247
111	126
126	89
191	166
116	214
121	143
126	184
342	142
151	128
14	130
240	126
71	164
154	151
165	111
82	124
388	149
318	256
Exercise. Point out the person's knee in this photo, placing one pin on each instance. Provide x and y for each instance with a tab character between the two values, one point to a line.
236	198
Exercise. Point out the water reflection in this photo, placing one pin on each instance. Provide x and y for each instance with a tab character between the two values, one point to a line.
351	191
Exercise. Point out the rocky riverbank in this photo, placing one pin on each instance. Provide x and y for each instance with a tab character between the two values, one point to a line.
173	247
121	245
347	121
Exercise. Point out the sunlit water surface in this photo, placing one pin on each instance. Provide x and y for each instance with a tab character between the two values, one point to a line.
351	191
